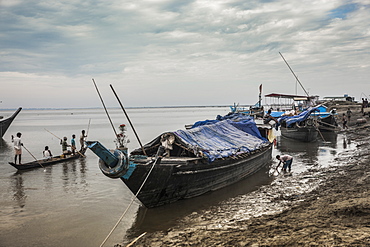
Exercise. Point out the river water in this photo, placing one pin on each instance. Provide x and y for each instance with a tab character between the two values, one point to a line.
74	204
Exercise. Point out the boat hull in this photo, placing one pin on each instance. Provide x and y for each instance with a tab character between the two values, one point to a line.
5	123
304	134
328	123
178	179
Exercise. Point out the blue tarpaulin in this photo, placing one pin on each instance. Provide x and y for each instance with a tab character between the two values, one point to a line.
215	138
239	120
223	138
290	120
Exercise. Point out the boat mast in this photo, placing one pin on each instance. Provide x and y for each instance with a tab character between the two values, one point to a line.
105	108
260	97
294	75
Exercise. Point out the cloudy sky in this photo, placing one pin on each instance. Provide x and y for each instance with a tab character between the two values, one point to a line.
193	52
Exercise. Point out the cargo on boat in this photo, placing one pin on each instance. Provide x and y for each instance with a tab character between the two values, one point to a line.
188	163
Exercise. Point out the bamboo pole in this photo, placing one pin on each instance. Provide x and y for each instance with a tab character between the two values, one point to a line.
132	126
105	108
294	74
34	158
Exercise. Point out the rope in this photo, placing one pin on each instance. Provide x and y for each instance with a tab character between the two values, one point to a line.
133	198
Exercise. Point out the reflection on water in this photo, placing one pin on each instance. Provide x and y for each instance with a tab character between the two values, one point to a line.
19	193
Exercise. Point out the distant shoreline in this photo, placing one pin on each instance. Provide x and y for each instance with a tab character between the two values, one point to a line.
131	107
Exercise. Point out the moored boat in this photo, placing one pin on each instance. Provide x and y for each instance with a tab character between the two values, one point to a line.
302	127
327	121
5	123
48	162
188	163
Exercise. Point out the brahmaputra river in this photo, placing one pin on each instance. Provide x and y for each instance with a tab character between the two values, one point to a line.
74	204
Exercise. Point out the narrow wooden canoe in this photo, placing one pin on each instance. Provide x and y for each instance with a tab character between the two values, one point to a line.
47	162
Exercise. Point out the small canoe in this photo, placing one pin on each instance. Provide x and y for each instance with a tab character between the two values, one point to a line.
47	162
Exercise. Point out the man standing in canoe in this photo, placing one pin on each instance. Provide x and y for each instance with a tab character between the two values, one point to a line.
82	140
73	144
287	161
64	146
17	147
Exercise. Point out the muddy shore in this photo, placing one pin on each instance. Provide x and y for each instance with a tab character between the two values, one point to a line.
335	213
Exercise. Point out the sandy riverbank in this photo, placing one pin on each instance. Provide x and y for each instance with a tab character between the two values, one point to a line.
336	213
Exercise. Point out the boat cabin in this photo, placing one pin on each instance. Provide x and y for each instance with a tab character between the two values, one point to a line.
288	102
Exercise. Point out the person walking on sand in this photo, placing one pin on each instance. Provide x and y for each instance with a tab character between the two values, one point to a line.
344	121
287	161
362	105
17	147
349	114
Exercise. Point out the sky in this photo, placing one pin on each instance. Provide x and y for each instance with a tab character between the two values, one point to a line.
180	53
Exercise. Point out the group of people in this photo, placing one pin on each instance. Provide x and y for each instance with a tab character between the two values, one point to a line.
72	144
46	153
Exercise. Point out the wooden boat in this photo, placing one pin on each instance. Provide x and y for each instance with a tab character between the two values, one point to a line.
48	162
202	159
301	132
5	123
302	127
327	121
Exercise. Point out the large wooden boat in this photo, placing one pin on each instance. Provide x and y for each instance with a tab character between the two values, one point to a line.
5	123
48	162
302	127
198	160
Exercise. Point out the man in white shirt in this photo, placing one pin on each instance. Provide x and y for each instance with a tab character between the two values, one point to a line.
17	147
47	153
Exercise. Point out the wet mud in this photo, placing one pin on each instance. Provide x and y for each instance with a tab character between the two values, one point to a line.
326	206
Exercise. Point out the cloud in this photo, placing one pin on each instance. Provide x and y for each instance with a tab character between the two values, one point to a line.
192	49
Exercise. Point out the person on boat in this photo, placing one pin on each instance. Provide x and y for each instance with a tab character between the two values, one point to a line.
268	118
47	153
17	148
73	144
167	139
287	161
344	121
82	140
122	138
65	146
